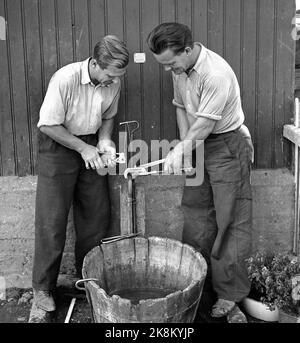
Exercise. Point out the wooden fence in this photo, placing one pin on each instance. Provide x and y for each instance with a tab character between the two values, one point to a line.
43	35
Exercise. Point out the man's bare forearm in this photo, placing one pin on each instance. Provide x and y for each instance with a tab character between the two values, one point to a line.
199	131
201	128
106	130
62	136
182	122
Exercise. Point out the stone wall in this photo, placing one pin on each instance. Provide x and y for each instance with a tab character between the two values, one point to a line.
273	210
158	213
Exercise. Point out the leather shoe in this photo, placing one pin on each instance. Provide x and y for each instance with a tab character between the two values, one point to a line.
222	307
38	315
236	316
44	300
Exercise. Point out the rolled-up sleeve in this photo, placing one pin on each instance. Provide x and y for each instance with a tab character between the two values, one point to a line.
113	108
177	100
53	109
213	97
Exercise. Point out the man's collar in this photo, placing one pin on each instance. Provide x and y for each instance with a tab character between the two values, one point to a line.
85	76
201	56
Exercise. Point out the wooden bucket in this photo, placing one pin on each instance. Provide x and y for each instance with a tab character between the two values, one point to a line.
144	280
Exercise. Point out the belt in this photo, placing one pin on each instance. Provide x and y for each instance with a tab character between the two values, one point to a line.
216	135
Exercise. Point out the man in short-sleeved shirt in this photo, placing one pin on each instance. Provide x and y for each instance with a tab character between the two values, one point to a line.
75	127
74	101
217	214
210	90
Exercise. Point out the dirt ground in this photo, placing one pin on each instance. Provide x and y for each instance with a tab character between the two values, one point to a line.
16	307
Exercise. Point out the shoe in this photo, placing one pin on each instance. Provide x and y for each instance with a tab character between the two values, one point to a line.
44	300
236	316
222	307
37	315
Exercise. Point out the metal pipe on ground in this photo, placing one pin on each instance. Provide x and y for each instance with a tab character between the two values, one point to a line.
132	203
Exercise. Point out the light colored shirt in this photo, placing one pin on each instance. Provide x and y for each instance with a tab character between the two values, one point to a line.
73	101
211	90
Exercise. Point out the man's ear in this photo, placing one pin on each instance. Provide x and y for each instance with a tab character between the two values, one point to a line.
188	50
94	63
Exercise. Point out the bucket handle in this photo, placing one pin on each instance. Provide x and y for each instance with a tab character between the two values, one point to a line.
119	238
82	281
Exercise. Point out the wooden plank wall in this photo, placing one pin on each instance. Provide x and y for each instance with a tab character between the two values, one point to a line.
43	35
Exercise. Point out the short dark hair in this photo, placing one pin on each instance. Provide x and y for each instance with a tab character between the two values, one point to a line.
111	51
174	36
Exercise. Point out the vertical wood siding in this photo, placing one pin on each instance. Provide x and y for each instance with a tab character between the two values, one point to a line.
44	35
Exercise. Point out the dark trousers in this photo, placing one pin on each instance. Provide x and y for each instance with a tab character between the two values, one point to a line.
63	180
218	214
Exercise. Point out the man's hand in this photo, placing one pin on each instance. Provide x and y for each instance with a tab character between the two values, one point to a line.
91	157
107	148
173	163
